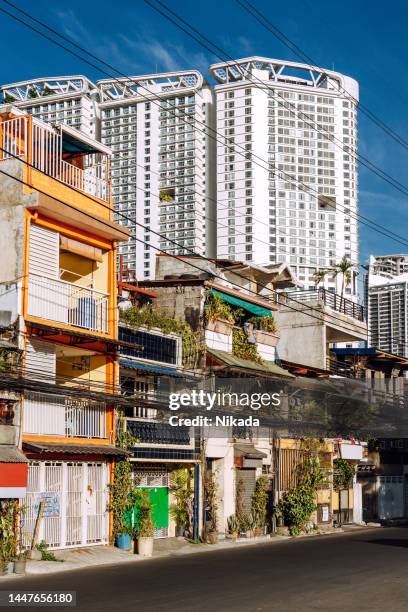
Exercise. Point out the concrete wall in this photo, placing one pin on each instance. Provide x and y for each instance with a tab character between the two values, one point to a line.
307	328
182	302
302	338
11	222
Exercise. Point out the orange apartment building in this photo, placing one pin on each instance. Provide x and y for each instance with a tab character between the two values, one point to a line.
58	288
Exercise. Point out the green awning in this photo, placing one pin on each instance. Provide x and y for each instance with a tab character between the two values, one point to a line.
258	311
74	145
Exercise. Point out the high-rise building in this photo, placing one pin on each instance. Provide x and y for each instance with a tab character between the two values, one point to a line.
163	153
286	187
71	100
386	295
259	168
161	166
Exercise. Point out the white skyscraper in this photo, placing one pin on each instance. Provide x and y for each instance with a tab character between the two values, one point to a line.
72	100
268	154
163	158
161	166
386	293
286	189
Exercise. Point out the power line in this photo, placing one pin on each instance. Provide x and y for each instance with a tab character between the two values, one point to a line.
267	24
178	257
372	225
149	229
286	104
291	178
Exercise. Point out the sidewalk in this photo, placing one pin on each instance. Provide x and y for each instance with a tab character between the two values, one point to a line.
77	558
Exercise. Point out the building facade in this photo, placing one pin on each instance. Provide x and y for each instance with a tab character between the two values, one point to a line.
158	127
386	295
71	100
286	171
58	292
161	166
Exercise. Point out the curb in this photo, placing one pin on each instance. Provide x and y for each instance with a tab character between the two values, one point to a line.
38	568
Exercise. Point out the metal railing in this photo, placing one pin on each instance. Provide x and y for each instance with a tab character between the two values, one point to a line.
63	302
46	156
332	300
68	417
153	432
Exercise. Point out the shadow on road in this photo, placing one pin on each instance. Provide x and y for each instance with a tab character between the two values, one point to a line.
389	542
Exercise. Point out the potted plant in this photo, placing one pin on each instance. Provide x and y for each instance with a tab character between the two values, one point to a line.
144	524
8	543
211	497
265	330
219	316
121	505
121	502
259	504
233	527
245	525
180	486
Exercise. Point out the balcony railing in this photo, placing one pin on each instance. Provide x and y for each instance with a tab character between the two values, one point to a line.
152	432
63	302
330	299
46	155
46	414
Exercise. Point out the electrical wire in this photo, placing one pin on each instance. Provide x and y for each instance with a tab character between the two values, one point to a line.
267	24
291	178
276	295
367	221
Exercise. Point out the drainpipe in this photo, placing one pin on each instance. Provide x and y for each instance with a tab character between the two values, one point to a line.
196	501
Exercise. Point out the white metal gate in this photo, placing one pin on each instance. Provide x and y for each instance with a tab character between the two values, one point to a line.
76	500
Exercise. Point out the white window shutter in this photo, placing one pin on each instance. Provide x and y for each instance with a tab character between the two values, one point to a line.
44	252
40	361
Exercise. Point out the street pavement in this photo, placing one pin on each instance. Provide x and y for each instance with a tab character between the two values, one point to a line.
358	571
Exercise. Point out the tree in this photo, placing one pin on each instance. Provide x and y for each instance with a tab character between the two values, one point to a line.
344	267
319	276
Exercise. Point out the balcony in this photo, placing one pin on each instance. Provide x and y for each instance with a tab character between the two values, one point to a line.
153	432
47	149
328	298
157	441
67	417
311	321
68	303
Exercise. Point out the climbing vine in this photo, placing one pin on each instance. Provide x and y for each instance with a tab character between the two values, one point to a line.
343	474
266	324
216	308
242	348
122	489
296	505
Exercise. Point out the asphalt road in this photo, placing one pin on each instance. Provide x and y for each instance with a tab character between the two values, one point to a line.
360	571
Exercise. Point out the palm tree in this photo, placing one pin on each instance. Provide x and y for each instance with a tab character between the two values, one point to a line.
344	267
319	276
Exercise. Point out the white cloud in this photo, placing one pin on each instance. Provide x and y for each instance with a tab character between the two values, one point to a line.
141	53
104	47
167	57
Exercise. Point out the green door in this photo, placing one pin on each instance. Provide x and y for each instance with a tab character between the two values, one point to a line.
159	498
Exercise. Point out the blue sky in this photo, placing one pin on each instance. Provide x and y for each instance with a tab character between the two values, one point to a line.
351	36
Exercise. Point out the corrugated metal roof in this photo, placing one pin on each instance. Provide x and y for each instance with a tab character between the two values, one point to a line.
11	454
249	451
268	367
75	449
151	367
